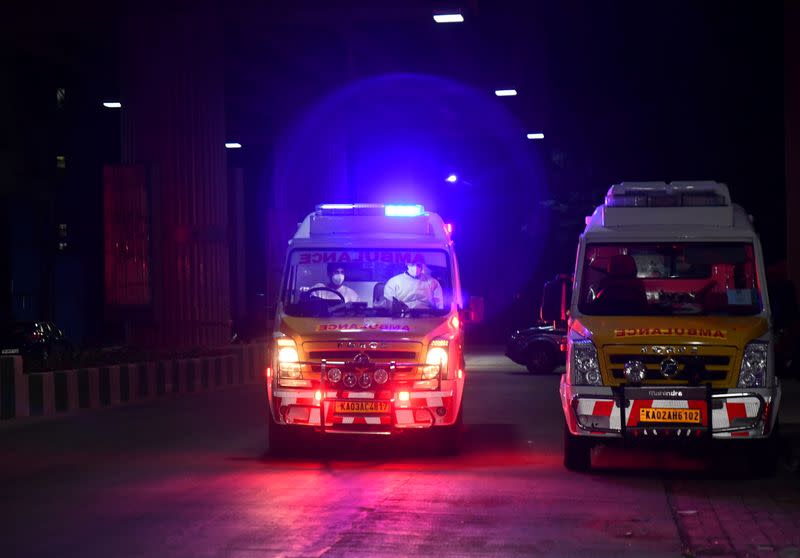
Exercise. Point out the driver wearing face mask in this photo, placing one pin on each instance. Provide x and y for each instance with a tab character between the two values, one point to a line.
415	288
336	283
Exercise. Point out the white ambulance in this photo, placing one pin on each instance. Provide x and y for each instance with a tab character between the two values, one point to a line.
368	332
670	334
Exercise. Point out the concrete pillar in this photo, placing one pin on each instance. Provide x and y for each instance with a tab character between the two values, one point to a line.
174	122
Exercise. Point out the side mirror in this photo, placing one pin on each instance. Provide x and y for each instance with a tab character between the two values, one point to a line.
783	300
555	299
473	313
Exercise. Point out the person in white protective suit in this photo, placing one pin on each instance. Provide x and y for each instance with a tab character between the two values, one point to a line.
336	283
415	288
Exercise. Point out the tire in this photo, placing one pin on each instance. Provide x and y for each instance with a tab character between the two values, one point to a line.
448	439
540	359
279	437
763	455
577	452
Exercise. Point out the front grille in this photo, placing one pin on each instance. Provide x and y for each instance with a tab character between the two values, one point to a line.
373	354
708	364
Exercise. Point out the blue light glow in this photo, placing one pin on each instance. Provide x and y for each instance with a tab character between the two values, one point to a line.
336	206
403	210
452	179
448	18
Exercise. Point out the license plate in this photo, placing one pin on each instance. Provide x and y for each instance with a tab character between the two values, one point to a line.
347	407
670	415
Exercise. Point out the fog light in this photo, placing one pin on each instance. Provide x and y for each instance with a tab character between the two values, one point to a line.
349	380
365	380
334	375
441	411
634	371
403	396
318	396
381	376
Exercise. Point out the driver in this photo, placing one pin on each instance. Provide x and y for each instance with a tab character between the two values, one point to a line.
415	288
336	283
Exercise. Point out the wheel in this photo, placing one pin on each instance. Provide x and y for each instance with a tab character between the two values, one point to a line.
279	437
577	452
763	455
540	359
448	439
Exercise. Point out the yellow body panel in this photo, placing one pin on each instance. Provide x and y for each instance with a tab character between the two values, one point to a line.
718	341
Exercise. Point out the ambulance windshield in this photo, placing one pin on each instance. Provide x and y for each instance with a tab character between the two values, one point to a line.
368	282
636	279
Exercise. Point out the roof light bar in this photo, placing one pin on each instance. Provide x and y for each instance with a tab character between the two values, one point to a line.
660	194
448	18
403	210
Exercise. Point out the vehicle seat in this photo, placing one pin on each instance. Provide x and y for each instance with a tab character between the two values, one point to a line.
622	292
377	294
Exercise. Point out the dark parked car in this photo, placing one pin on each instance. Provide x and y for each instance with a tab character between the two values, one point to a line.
41	341
541	347
538	347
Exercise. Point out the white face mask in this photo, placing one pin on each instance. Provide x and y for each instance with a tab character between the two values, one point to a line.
337	278
414	270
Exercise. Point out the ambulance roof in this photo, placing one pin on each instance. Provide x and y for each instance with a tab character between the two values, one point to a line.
676	210
371	224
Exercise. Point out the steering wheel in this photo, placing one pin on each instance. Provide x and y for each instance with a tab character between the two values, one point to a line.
308	293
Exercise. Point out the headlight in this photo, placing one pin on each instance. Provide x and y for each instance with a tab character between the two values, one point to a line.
288	361
584	366
437	355
753	372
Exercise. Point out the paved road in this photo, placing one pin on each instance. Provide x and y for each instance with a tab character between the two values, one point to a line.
191	477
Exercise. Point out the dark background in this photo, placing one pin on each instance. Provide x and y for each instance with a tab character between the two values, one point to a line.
372	101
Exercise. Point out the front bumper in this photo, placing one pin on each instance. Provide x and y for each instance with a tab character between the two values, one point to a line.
423	409
630	412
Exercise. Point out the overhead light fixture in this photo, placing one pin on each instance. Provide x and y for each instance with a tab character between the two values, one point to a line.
233	145
536	135
448	18
505	92
112	104
452	179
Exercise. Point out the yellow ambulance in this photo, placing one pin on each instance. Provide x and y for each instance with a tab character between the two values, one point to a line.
368	336
670	333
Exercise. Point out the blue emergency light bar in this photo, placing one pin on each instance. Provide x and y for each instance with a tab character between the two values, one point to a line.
370	209
403	210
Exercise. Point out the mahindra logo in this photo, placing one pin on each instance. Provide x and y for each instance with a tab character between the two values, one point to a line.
361	359
668	349
657	394
669	367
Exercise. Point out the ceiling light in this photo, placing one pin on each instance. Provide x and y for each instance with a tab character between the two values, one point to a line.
448	18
